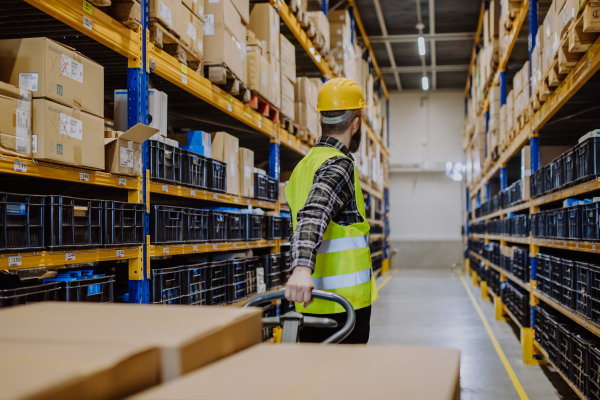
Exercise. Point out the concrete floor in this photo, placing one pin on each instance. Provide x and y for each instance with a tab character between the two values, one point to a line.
432	308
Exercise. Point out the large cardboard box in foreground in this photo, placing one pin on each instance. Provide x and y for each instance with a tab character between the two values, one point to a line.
15	120
323	372
49	69
225	148
123	150
44	369
66	135
188	337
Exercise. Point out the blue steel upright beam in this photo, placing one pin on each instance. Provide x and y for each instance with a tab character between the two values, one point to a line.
137	104
274	160
325	7
503	178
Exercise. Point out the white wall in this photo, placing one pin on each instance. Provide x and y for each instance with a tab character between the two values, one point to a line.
426	207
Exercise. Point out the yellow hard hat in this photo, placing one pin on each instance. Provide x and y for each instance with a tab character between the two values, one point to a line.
340	94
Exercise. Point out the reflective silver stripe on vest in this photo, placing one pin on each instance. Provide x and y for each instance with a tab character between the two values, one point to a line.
343	244
343	281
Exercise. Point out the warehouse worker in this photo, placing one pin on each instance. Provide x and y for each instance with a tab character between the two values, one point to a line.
330	245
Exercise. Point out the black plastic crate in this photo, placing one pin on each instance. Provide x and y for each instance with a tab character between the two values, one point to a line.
516	300
582	287
217	175
271	264
165	162
194	283
543	273
542	224
166	284
273	229
30	294
287	229
570	165
553	334
558	178
217	274
562	223
251	264
533	188
588	158
593	373
520	265
550	223
564	349
589	219
122	223
535	228
568	284
216	296
21	221
217	225
538	178
196	228
575	226
236	223
521	225
261	184
236	280
167	224
548	181
193	169
73	222
556	278
272	189
254	226
286	267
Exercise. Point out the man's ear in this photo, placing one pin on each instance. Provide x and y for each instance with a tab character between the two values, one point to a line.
355	125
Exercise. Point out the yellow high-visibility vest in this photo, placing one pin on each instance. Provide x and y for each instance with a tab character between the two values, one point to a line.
343	263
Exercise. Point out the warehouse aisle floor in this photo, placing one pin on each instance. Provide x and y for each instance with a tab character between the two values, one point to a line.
432	308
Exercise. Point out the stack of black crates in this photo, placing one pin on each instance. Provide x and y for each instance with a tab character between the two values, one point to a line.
577	222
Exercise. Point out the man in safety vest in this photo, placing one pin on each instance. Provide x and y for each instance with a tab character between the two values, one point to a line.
330	245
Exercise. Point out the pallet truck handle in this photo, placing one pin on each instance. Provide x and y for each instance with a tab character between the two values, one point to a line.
318	294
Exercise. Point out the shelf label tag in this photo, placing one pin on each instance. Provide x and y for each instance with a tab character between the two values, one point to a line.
87	22
259	124
84	176
120	253
229	107
260	203
184	79
122	182
87	7
14	261
195	248
214	196
593	247
214	247
193	193
20	167
165	189
235	200
69	256
289	142
184	67
234	245
165	250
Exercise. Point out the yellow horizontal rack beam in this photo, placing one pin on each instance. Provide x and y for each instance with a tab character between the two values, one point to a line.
572	315
198	248
509	275
63	257
509	239
503	212
544	353
581	188
375	222
200	194
575	245
579	75
39	169
292	23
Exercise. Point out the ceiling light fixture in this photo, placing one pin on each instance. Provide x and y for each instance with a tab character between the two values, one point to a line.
421	42
425	83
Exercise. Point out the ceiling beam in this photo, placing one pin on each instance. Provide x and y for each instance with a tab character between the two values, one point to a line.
438	37
433	47
431	68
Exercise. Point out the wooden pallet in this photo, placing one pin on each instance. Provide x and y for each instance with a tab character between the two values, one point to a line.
264	107
169	41
289	125
127	12
220	75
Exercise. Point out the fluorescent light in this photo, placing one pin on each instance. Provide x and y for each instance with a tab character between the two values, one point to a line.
421	41
425	83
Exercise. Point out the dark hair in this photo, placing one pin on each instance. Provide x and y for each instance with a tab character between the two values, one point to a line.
338	129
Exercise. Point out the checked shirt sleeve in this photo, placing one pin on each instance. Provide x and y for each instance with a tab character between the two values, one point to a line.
332	188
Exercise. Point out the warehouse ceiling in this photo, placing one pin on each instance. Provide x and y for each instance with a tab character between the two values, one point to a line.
449	30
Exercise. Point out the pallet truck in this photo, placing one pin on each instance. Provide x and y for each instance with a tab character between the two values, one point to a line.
292	322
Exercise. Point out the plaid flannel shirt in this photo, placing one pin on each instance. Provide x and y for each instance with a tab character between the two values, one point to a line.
331	197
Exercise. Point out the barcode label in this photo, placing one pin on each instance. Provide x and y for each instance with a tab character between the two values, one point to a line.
165	189
120	253
214	196
214	246
193	193
235	200
165	250
20	167
71	68
69	256
14	261
195	249
259	124
184	79
87	7
229	107
122	182
87	22
83	176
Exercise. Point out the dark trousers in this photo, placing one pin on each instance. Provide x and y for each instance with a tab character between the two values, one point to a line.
360	334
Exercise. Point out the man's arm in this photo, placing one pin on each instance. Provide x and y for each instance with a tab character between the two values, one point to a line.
332	188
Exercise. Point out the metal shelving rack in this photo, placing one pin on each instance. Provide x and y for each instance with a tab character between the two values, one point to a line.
143	58
585	69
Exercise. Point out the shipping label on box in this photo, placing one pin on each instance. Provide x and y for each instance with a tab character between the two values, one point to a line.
225	148
15	120
246	172
66	135
49	69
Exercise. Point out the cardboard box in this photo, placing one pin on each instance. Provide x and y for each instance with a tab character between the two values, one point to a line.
243	8
305	91
192	31
220	45
275	75
225	147
49	69
189	337
66	135
158	104
288	69
526	171
222	13
287	89
264	22
195	6
123	153
287	107
167	12
15	120
246	172
43	369
306	117
406	370
287	49
258	71
337	16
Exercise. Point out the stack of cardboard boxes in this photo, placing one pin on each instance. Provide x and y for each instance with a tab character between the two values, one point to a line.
239	160
192	26
258	65
288	76
306	95
493	135
340	31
